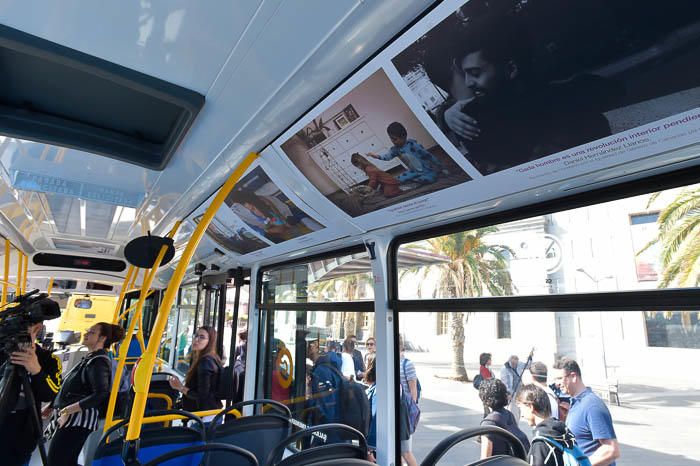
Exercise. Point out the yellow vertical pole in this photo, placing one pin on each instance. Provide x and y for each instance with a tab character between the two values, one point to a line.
142	378
149	275
122	293
18	286
50	287
24	274
6	277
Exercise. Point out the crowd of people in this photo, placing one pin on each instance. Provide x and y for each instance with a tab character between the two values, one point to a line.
567	418
573	421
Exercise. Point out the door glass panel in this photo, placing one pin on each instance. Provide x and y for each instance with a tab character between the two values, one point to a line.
304	360
242	327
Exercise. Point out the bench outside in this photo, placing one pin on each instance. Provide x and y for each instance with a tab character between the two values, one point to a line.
607	391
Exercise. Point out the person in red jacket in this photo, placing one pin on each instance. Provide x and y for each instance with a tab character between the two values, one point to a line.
377	177
485	372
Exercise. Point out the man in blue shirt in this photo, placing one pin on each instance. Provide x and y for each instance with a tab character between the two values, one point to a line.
589	418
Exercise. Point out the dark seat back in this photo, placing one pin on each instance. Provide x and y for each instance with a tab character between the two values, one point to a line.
323	454
153	442
518	458
227	453
342	462
258	433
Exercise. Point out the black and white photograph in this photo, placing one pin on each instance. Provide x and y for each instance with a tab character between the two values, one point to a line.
512	81
368	151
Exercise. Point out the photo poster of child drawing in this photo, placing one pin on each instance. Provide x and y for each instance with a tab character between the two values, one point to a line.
267	210
368	151
509	82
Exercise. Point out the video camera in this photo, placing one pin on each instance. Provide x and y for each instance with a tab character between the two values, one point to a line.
30	308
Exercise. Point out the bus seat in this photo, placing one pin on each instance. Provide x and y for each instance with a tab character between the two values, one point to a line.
228	454
517	459
153	442
342	462
322	454
258	433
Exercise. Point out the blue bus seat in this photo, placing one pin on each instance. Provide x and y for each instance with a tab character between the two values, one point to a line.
258	433
322	454
153	442
229	455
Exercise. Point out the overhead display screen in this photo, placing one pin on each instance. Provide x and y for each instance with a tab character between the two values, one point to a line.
480	99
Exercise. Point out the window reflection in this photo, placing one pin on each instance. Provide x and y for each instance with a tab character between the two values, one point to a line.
628	244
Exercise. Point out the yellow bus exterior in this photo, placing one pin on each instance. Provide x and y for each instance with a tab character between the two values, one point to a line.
83	311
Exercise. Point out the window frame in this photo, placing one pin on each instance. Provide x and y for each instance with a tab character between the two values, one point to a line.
666	299
266	310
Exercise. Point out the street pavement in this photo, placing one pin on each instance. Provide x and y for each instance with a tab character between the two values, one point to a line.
655	426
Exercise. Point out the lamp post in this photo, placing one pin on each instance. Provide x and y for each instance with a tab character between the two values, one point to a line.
600	316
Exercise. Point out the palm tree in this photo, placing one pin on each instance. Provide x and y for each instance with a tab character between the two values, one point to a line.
472	269
679	238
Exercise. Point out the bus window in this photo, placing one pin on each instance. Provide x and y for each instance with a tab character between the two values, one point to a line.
83	303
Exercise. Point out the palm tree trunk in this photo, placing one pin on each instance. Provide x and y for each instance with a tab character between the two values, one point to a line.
349	324
459	372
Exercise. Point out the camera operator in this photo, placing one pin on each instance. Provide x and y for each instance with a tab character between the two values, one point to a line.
18	436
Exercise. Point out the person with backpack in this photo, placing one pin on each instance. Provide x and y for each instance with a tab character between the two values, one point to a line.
484	374
83	397
330	394
200	390
410	395
553	443
493	393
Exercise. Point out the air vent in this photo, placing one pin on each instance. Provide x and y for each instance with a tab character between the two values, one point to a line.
77	262
56	95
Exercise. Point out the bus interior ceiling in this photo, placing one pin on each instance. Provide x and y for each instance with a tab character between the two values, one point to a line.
367	123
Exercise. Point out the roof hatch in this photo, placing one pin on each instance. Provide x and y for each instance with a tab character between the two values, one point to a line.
57	95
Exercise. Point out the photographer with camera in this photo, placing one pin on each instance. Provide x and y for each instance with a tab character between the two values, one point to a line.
18	430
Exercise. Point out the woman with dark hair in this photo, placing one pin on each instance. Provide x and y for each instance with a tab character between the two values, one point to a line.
83	395
202	379
494	395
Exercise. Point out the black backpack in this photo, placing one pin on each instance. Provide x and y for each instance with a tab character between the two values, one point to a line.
354	404
231	380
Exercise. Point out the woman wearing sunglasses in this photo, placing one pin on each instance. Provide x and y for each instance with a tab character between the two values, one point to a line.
202	379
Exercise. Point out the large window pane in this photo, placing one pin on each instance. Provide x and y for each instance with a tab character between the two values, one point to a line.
642	242
641	359
344	278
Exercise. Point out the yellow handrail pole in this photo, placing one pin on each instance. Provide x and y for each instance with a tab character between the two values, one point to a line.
142	378
50	287
18	287
24	274
3	301
124	348
122	294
